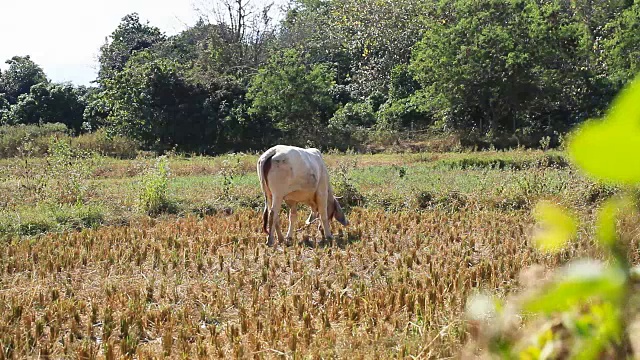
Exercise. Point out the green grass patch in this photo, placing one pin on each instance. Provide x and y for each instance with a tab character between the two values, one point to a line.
29	221
393	182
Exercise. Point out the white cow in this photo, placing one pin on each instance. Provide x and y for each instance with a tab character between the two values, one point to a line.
295	175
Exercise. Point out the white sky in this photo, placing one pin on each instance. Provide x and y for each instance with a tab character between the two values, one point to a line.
64	36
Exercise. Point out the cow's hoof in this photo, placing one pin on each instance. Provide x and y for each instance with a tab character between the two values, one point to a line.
269	243
328	240
288	241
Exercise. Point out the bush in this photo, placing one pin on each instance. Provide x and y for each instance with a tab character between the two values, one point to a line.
344	187
66	172
33	140
410	112
61	177
154	195
347	127
28	140
49	103
106	144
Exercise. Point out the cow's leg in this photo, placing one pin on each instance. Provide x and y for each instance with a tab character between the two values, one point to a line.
274	221
293	218
266	226
324	217
274	217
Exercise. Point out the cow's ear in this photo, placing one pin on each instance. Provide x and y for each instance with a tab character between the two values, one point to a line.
338	214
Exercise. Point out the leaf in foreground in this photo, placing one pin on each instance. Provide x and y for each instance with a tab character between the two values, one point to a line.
579	281
609	150
556	226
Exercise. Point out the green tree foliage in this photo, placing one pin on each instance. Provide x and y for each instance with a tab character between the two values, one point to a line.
21	75
207	52
501	65
407	105
235	43
151	100
197	44
294	96
622	46
365	39
4	107
130	36
503	71
349	123
49	103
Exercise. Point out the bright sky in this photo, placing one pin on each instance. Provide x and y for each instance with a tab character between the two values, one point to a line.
64	36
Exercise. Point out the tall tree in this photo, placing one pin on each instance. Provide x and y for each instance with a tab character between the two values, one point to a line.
364	38
130	36
50	103
504	66
151	100
296	97
240	35
621	46
21	75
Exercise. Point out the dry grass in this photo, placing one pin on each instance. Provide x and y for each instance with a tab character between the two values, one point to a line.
390	286
433	229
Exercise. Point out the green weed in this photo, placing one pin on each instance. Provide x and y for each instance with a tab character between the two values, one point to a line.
154	194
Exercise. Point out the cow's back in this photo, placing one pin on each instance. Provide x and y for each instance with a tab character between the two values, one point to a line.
296	171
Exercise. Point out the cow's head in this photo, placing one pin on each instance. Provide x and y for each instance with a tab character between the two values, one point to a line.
337	212
334	211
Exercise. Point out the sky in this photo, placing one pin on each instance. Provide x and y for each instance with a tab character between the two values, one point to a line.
64	36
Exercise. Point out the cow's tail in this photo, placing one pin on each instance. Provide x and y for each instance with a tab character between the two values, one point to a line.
264	165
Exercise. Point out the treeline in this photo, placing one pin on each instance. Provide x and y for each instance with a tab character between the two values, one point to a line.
334	73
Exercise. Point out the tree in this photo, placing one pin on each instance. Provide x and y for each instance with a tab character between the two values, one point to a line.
151	100
50	103
21	75
239	37
622	46
364	39
504	66
294	96
130	36
203	48
4	107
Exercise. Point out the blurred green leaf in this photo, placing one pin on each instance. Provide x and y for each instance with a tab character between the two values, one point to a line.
556	226
606	220
606	327
625	108
578	282
606	223
609	149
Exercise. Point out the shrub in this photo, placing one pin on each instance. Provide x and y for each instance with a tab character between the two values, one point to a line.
28	140
61	177
344	187
67	171
348	124
424	199
154	195
410	112
107	144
